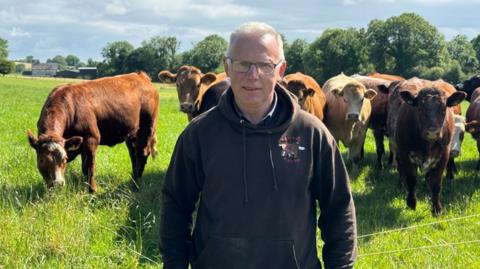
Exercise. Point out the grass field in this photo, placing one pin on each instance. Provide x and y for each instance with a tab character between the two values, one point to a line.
118	228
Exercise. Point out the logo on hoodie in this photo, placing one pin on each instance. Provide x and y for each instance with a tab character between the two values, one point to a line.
290	148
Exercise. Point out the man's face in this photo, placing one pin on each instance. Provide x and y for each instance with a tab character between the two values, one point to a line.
254	89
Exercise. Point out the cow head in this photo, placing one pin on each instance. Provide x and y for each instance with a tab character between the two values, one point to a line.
354	94
469	86
52	156
457	137
300	90
188	80
473	127
431	105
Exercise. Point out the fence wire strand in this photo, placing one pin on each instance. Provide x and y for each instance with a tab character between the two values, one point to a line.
419	225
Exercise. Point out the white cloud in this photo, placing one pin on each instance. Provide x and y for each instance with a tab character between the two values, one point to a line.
349	2
456	2
19	32
116	8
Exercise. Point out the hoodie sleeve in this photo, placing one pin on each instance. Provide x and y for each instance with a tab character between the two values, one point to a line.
337	221
180	192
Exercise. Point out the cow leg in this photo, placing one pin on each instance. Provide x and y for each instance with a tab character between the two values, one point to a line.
451	168
131	150
478	149
88	162
408	173
378	134
142	150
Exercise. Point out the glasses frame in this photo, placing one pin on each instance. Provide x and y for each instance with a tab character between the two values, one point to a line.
275	65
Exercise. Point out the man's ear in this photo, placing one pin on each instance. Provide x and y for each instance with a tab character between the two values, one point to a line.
32	139
73	143
167	77
408	98
281	70
208	78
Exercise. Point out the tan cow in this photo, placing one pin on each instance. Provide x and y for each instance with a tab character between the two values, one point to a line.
347	112
191	86
310	96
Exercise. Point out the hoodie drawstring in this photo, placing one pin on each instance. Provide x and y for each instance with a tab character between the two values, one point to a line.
242	122
275	186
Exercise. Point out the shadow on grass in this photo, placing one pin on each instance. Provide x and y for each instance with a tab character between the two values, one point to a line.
141	229
374	205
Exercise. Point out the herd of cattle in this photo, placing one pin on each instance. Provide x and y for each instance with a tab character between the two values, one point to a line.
421	118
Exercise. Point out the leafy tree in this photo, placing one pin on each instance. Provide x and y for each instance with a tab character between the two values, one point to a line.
29	59
164	50
6	66
293	56
141	59
91	62
399	44
476	46
115	54
72	60
462	50
3	48
335	51
208	53
60	60
19	68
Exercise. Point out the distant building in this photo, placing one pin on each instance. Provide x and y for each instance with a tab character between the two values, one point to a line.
44	69
88	72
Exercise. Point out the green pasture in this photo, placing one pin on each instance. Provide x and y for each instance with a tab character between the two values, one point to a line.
118	227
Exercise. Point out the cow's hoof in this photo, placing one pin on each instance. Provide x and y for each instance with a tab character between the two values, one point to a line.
412	203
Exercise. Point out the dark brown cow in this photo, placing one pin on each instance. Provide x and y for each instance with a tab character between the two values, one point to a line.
420	128
473	120
469	86
310	96
378	118
76	118
191	86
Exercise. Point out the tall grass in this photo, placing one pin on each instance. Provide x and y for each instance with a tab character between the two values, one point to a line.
118	227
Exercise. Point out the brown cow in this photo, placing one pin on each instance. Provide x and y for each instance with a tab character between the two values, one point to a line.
420	128
347	112
388	77
76	118
191	86
378	118
309	94
473	119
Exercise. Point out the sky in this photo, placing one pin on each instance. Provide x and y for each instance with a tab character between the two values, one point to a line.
45	28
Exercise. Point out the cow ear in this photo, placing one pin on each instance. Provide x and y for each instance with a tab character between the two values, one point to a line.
337	92
310	92
456	98
73	143
408	98
208	78
32	139
383	88
167	77
370	94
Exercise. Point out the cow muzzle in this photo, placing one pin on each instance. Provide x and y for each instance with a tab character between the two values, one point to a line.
454	153
432	134
187	107
353	117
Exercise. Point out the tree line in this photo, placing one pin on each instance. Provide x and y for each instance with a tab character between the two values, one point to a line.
405	45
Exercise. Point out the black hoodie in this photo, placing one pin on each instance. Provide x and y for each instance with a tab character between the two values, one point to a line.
257	189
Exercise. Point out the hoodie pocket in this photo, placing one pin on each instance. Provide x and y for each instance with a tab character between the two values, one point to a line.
233	253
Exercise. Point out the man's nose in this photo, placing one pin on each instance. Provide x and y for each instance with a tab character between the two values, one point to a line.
253	71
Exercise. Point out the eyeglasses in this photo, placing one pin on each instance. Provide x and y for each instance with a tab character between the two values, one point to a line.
265	68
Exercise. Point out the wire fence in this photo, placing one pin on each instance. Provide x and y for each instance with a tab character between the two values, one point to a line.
476	241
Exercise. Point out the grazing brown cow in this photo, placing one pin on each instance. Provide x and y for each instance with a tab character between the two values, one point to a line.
309	94
473	120
378	118
420	128
76	118
191	86
347	112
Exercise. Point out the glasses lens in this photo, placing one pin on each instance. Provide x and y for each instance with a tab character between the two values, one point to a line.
241	66
266	68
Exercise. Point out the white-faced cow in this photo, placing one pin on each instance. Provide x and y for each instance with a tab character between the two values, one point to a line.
76	118
192	85
420	129
347	112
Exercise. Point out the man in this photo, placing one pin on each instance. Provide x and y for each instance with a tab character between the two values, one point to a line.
256	164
